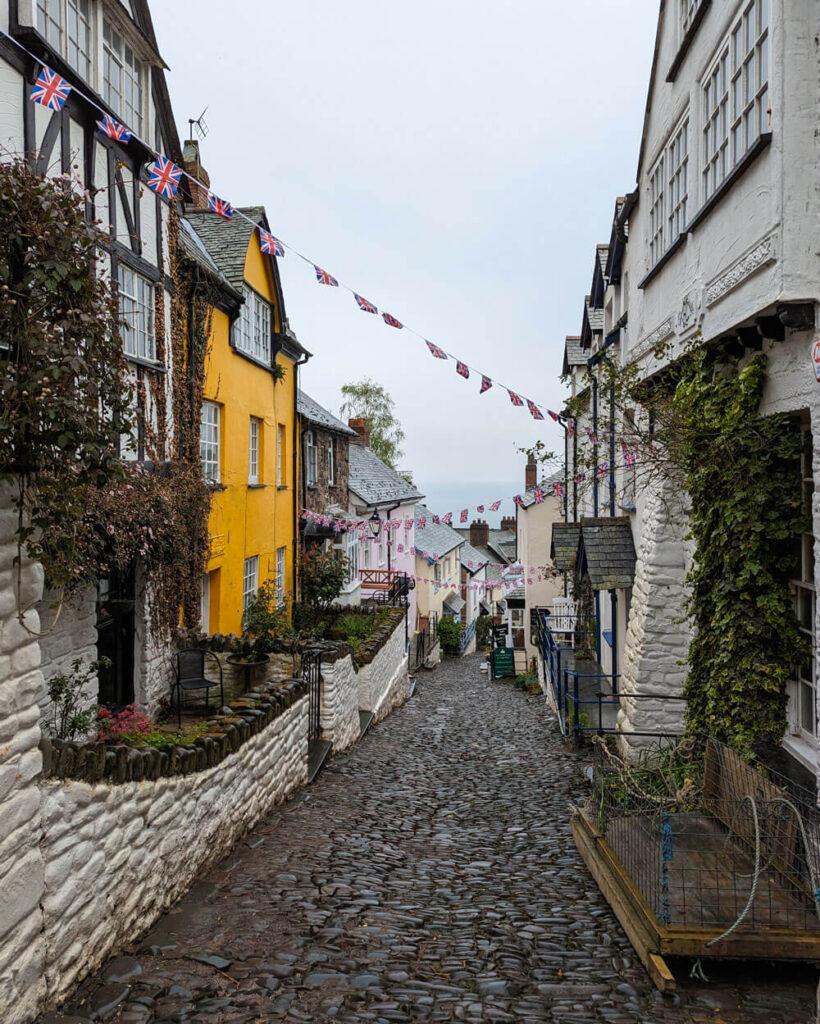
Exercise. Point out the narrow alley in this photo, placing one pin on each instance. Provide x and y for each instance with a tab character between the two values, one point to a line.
428	875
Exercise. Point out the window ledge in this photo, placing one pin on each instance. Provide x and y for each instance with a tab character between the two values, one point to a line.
686	42
670	252
282	487
251	358
801	750
147	364
215	487
737	172
257	487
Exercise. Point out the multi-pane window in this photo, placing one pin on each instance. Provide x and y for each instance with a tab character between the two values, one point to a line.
688	11
122	78
250	582
310	459
209	441
66	24
136	295
281	555
657	221
352	556
253	452
677	157
280	453
331	463
736	96
252	331
803	685
750	77
382	545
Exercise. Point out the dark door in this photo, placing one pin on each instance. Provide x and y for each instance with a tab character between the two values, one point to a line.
115	639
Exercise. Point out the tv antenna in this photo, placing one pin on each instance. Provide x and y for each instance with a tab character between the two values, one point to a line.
198	125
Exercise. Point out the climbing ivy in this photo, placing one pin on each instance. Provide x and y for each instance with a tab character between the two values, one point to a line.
742	474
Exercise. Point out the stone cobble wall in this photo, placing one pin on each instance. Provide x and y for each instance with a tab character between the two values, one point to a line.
69	636
384	682
340	703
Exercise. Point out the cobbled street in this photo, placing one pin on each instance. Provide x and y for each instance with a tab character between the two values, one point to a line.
428	875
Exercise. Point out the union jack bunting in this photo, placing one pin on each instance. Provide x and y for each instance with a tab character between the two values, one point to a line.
164	177
219	206
448	518
496	505
514	398
50	90
518	500
486	384
535	412
580	478
422	522
436	520
603	469
412	551
113	129
554	415
480	508
323	277
592	435
630	456
401	549
391	321
271	246
539	496
463	516
462	369
364	305
408	524
436	351
571	428
558	489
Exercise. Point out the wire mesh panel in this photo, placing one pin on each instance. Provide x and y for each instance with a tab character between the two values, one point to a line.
712	841
312	674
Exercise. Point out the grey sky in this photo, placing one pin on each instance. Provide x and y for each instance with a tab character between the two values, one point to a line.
454	161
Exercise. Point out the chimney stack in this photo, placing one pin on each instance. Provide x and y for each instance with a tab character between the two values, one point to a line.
531	476
508	523
192	165
362	429
479	533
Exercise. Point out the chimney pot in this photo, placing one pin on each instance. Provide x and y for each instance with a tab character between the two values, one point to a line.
479	533
362	429
508	523
531	476
192	165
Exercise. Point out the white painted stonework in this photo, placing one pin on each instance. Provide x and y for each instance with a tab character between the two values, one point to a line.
385	682
340	703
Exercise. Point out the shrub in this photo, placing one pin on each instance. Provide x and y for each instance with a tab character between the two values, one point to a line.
356	628
482	630
450	632
67	692
323	576
129	726
264	621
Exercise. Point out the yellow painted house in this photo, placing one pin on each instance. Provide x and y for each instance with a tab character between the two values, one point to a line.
248	441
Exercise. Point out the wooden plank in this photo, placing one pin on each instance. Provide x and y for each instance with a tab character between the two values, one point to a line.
780	944
642	941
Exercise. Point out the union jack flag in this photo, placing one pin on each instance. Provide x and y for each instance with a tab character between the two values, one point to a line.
219	206
514	398
401	549
535	412
603	469
538	494
554	415
463	516
480	508
462	369
580	478
113	129
436	520
518	500
323	277
496	505
50	90
271	246
408	524
364	305
592	435
448	518
571	428
391	321
558	489
630	456
422	522
436	351
486	384
164	177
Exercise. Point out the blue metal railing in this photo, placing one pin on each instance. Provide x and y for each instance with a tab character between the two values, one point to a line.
467	635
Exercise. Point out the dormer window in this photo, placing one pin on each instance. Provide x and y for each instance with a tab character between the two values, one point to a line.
66	25
252	330
122	77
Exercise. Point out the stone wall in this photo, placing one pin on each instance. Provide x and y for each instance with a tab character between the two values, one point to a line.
384	683
70	634
340	702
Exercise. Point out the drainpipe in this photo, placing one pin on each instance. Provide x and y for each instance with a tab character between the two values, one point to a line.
612	450
296	441
595	446
613	597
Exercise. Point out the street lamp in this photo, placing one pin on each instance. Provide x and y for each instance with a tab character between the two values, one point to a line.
375	525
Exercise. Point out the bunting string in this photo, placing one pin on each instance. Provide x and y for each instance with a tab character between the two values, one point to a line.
164	177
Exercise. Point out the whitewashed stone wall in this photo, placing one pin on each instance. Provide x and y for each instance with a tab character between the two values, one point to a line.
385	682
340	703
22	947
657	639
70	634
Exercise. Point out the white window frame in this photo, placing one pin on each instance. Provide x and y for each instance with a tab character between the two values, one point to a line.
209	438
802	687
253	449
688	12
677	182
123	77
137	297
280	448
366	552
352	556
250	581
281	574
310	459
736	96
205	603
67	27
383	544
657	215
252	331
331	462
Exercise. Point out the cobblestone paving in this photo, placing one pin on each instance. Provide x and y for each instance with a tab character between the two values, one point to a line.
428	875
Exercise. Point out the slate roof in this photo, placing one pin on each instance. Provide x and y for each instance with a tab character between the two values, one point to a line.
375	482
603	253
471	554
574	354
607	553
455	604
315	413
227	241
194	248
528	497
501	545
436	538
564	545
595	317
506	548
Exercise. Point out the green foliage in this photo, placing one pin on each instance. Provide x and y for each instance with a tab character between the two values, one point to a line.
539	455
743	477
526	680
356	628
67	692
264	620
483	628
450	632
367	400
323	574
